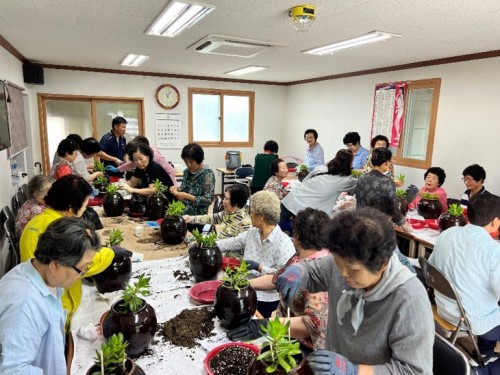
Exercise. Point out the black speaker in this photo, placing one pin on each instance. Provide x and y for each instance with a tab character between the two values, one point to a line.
33	74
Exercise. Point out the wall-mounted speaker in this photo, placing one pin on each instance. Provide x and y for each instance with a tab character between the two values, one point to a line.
33	74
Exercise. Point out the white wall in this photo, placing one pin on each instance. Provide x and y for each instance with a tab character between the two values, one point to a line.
468	120
270	106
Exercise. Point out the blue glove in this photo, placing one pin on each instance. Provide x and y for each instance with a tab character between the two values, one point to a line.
324	362
288	283
110	168
252	265
248	331
121	251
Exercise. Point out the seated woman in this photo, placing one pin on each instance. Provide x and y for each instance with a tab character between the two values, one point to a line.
234	219
308	311
315	156
267	248
146	172
198	181
68	197
67	150
381	141
373	300
31	328
279	171
37	190
474	176
322	189
262	169
434	177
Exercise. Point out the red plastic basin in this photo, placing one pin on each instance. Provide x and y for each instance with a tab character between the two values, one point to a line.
212	353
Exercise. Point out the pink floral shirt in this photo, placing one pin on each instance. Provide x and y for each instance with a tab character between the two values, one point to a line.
274	185
28	210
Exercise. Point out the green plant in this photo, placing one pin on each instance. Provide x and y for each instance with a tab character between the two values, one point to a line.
236	277
111	189
113	354
430	196
355	173
455	209
99	166
280	349
175	209
302	168
205	240
401	177
101	180
159	188
400	193
131	301
115	237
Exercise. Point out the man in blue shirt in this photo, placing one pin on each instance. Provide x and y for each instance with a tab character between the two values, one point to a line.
114	142
315	155
31	314
352	141
470	259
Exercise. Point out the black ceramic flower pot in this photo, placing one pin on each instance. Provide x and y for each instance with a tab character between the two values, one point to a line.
205	262
233	307
448	220
131	368
137	328
113	205
156	207
302	175
115	277
137	204
403	205
173	230
429	208
258	367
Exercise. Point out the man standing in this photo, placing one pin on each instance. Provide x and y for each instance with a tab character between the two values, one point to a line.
352	141
470	259
114	142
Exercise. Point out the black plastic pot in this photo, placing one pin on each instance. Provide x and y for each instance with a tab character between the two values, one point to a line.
430	208
258	367
113	205
115	277
448	220
156	207
233	307
138	328
131	368
137	204
205	262
173	230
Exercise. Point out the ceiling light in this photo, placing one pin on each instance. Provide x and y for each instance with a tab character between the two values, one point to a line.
303	17
133	60
374	36
178	16
246	70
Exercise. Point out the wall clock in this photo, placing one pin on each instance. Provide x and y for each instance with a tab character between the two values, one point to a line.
167	96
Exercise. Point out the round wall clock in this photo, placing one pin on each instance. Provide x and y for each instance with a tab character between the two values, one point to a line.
167	96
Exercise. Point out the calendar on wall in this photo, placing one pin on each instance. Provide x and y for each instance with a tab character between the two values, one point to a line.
168	131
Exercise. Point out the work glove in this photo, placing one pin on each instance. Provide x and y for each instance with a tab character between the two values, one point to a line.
118	162
121	251
411	193
324	362
288	283
126	187
248	331
110	168
252	265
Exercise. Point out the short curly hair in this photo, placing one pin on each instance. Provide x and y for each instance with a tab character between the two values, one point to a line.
439	172
266	204
68	193
307	228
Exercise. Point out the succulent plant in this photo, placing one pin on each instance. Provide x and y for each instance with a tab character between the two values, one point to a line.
355	173
401	177
236	277
111	189
99	166
159	188
302	168
175	209
115	237
101	180
430	196
113	354
205	240
455	209
400	193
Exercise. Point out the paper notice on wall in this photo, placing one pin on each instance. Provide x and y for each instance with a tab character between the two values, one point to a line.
383	111
168	131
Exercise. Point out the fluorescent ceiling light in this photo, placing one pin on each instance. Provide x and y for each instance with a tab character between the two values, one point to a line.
374	36
246	70
178	16
133	60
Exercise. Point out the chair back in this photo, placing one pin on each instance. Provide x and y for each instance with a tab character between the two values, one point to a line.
10	233
24	189
20	198
217	204
437	280
243	172
7	215
448	359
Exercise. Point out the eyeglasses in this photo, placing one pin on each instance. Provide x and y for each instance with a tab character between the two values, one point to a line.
80	272
467	179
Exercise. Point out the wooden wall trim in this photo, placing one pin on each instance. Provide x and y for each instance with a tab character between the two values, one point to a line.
13	51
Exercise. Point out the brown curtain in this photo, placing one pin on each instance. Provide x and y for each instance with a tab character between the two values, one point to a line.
17	125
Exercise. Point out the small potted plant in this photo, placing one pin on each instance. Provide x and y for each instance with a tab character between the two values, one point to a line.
113	203
155	204
117	275
279	354
403	204
112	359
356	174
100	184
134	317
173	227
454	217
235	300
429	206
399	180
205	258
302	172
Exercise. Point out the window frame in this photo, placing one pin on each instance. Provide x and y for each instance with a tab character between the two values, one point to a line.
221	93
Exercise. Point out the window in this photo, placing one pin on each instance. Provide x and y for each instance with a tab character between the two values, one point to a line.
221	117
420	112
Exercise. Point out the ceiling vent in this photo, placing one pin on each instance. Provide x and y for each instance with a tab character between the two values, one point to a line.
228	46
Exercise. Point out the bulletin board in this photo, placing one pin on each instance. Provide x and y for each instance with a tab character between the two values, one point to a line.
168	131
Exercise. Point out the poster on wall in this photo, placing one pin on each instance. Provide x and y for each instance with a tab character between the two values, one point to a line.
168	131
388	109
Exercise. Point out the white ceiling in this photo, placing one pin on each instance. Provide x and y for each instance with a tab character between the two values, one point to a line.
98	34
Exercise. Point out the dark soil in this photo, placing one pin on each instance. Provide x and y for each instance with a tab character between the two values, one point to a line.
183	275
189	326
233	360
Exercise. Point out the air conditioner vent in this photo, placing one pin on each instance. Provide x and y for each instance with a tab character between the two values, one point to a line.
228	46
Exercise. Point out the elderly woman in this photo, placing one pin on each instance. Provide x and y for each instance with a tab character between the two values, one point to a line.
198	181
37	189
376	142
308	311
68	197
434	177
262	166
67	150
315	156
474	176
322	188
234	219
267	248
372	300
31	328
279	171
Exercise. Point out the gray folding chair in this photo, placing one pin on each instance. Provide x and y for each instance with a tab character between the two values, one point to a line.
448	359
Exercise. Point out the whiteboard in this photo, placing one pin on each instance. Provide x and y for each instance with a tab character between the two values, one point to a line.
168	131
